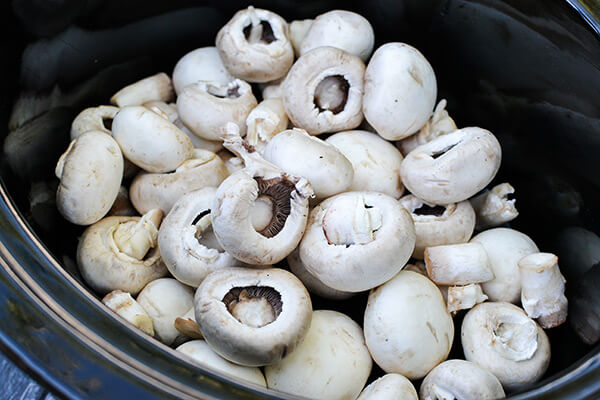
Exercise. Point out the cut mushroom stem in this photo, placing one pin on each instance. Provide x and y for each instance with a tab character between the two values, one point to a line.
458	264
495	207
464	297
135	238
543	289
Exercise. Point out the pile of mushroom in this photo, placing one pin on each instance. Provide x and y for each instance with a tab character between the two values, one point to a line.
247	215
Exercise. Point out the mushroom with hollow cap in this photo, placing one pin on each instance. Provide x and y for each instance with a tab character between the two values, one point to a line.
389	387
125	306
203	64
155	87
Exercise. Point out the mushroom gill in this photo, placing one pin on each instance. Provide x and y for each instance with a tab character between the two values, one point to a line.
278	191
255	306
332	94
425	209
262	33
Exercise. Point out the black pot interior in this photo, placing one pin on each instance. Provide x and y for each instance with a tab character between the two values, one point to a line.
527	71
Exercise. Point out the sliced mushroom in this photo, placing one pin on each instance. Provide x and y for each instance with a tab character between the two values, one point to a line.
253	317
458	264
452	167
90	174
265	121
390	387
460	379
439	225
93	119
254	45
323	91
203	64
502	339
125	306
186	240
322	164
357	240
155	87
331	363
464	297
121	253
495	207
298	30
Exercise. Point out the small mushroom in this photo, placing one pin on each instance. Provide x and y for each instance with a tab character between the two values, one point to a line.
407	327
464	297
458	264
460	379
331	363
164	300
543	289
390	387
452	167
504	247
93	119
204	169
265	121
263	183
155	87
186	240
253	317
203	64
375	161
125	306
121	253
206	108
90	174
495	207
298	30
341	29
254	45
400	91
322	164
150	141
439	225
357	240
323	91
201	354
502	339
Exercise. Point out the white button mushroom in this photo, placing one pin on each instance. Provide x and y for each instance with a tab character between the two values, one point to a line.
323	91
115	253
155	87
164	300
206	108
150	141
203	64
543	289
253	317
375	161
201	354
265	121
298	30
125	306
502	339
495	207
460	379
407	327
452	167
400	91
149	191
332	363
458	264
357	240
199	143
322	164
390	387
236	198
254	45
90	174
186	241
504	247
344	30
93	119
464	297
439	225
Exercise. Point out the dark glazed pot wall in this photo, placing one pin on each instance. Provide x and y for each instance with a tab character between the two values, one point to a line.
528	71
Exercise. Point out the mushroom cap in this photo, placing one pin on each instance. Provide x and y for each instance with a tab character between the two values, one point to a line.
203	64
92	119
155	87
407	327
460	379
205	108
187	259
439	225
452	167
337	254
249	343
390	387
201	354
125	306
303	84
211	145
150	141
400	91
502	339
105	268
376	162
331	363
298	30
90	174
341	29
262	60
504	247
322	164
149	191
165	300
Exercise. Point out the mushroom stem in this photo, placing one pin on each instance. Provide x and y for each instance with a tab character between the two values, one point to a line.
464	297
252	311
255	26
458	264
494	207
136	238
350	221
